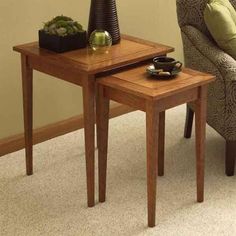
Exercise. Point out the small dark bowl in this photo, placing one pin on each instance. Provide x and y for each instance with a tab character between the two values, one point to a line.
167	64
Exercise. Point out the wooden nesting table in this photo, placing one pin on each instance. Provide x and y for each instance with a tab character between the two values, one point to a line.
134	88
80	67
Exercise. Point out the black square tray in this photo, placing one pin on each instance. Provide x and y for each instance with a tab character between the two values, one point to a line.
62	44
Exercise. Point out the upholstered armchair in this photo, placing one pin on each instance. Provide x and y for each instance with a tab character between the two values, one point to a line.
202	53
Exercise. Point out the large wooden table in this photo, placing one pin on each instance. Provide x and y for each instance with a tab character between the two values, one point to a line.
80	67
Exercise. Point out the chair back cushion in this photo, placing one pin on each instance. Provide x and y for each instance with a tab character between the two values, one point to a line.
190	12
220	18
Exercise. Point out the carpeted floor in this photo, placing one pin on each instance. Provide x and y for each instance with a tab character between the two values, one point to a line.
53	200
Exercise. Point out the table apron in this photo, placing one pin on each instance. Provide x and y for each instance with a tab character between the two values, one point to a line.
163	104
125	98
68	74
177	99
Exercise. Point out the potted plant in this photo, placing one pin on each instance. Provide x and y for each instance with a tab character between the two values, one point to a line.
62	34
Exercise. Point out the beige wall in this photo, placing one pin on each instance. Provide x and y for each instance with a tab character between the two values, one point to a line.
55	100
154	20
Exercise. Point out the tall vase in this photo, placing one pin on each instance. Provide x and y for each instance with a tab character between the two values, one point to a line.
103	16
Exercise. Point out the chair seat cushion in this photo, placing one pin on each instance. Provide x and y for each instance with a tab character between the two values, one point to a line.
220	18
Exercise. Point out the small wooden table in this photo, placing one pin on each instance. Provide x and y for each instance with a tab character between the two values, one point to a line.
80	67
134	88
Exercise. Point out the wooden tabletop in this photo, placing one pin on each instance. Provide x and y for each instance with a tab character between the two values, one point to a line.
129	51
138	82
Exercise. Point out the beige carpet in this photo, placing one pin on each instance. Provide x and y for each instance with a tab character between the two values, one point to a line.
53	200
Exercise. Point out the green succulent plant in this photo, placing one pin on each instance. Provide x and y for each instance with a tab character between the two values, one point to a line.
62	26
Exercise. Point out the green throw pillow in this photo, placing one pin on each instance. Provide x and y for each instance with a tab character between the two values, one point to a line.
220	18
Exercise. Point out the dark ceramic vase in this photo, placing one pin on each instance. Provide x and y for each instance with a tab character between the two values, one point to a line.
103	16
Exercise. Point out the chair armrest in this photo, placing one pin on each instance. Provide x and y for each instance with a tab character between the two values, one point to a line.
224	63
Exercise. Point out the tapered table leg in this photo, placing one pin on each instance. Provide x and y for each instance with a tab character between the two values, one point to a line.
27	86
102	129
230	159
188	122
200	130
89	127
161	144
152	124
